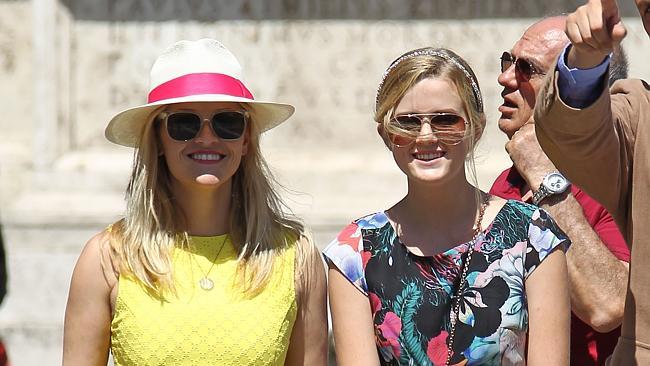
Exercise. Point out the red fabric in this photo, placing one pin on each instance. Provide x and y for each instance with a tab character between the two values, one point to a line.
4	361
199	83
588	347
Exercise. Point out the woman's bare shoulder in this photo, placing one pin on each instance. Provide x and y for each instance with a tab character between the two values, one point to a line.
309	268
97	257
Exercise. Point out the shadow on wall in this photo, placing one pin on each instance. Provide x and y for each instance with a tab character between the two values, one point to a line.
212	10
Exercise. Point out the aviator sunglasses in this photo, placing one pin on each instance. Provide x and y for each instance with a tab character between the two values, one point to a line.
226	125
523	67
448	128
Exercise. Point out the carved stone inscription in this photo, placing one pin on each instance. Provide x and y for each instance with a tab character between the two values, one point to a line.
211	10
328	69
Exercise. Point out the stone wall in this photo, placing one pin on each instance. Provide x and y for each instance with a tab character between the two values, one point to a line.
210	10
67	67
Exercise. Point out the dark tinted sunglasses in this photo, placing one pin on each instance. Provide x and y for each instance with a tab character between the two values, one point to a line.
448	128
226	125
523	67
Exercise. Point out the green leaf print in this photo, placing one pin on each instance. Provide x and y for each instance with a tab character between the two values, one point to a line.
405	307
384	242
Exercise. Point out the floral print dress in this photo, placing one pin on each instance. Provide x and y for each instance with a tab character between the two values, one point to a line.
410	295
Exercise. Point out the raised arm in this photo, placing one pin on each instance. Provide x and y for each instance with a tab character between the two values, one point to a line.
86	332
597	278
309	338
590	145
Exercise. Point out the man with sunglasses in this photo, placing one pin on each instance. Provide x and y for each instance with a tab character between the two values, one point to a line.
600	138
597	259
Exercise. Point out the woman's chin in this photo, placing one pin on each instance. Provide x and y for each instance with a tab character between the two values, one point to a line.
207	179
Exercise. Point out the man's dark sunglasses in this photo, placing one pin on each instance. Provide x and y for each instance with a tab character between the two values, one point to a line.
523	67
184	126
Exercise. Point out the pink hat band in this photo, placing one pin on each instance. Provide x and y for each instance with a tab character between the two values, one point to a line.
198	84
202	71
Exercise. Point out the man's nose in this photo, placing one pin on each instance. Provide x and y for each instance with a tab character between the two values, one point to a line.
508	77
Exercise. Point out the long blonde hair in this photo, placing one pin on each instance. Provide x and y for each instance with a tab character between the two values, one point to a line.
419	64
260	226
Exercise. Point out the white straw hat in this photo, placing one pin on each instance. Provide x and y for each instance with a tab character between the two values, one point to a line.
194	71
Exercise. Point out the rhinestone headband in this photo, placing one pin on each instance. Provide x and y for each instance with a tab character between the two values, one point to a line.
429	52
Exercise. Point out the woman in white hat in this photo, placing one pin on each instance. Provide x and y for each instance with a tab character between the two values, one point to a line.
449	275
205	268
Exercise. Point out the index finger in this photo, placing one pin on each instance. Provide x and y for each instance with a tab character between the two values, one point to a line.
610	11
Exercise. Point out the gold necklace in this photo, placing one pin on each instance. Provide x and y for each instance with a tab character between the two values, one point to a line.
454	313
206	283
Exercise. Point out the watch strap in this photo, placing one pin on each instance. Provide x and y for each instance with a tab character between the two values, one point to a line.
540	194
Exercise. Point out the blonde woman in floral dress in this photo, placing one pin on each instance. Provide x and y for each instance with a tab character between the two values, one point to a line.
449	275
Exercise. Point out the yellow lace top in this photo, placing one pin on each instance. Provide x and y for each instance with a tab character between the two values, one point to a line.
206	327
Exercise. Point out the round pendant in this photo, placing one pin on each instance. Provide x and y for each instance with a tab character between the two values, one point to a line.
206	284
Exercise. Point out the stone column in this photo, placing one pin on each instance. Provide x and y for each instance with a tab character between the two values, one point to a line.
45	95
51	70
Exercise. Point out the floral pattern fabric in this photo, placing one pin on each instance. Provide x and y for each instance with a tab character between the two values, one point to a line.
410	295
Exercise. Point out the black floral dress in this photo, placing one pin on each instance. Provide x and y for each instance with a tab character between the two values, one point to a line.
410	295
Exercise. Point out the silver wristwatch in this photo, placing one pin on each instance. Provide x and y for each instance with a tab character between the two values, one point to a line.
552	184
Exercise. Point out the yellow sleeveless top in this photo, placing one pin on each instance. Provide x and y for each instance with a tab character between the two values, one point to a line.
201	327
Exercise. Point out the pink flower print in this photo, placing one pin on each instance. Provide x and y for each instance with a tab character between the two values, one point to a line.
350	235
375	303
437	349
365	257
388	334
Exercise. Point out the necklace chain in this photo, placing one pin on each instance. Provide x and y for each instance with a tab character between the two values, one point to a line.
206	283
455	311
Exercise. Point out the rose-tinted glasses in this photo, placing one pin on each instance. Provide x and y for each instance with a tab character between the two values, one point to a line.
523	67
184	126
448	128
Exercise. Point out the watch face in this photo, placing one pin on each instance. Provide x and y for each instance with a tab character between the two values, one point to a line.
556	183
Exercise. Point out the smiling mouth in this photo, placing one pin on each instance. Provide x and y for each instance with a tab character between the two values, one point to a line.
428	156
206	157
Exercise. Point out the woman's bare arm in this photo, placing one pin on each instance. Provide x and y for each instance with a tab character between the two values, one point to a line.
354	335
549	311
308	345
86	332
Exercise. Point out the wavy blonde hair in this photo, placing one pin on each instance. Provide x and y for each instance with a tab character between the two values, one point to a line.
261	225
423	63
